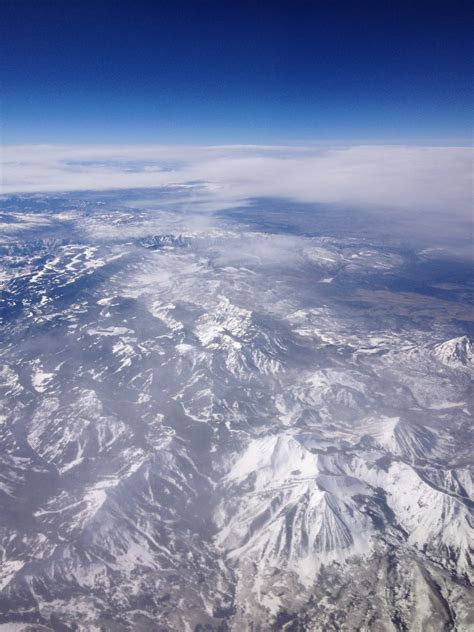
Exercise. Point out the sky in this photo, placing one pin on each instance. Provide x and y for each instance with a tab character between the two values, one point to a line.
291	72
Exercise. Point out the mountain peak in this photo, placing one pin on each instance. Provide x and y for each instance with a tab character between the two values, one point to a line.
457	352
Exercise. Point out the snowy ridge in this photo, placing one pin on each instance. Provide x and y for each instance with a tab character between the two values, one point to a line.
283	512
457	353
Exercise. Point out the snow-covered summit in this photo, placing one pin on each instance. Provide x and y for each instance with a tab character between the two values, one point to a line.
457	352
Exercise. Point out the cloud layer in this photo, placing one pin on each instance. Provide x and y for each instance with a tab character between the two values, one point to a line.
410	180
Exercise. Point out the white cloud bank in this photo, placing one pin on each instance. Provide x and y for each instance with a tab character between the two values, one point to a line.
408	178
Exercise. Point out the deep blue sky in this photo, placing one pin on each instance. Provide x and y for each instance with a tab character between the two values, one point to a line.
176	71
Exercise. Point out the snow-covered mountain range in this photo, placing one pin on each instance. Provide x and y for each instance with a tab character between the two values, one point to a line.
210	427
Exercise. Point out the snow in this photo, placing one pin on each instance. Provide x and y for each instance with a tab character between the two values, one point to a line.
8	569
285	479
184	349
225	321
109	331
442	405
457	352
40	380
